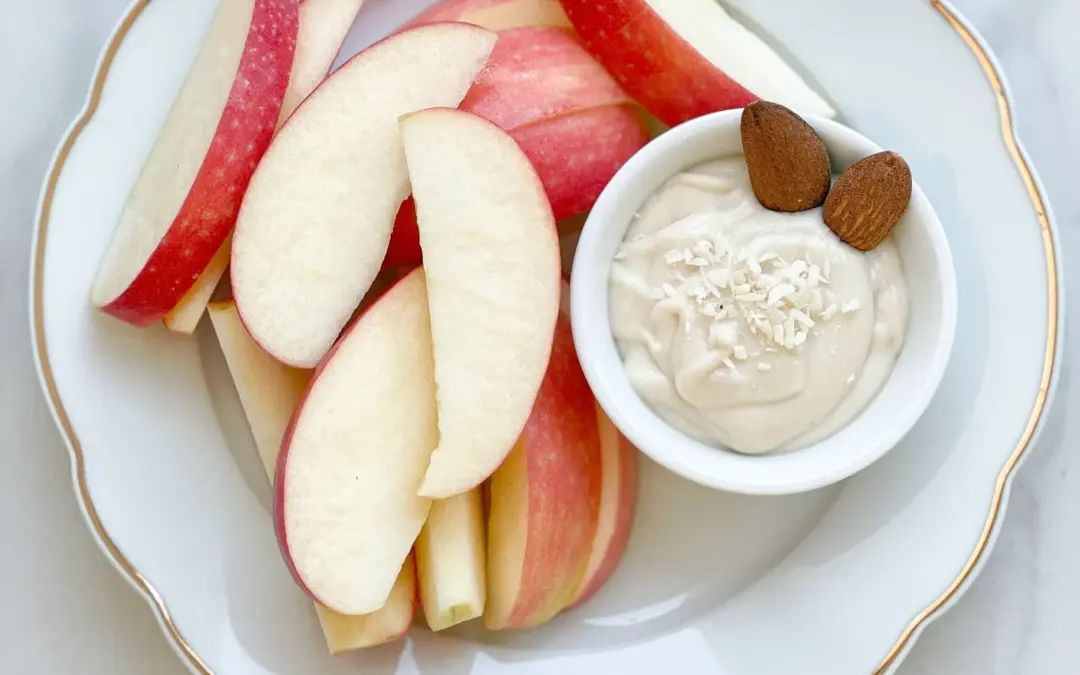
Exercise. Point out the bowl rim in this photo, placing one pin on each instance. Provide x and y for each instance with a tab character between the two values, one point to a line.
664	443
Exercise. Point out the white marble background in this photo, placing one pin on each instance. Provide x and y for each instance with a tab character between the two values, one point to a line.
64	610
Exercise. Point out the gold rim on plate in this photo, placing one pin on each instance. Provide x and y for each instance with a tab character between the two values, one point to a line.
185	650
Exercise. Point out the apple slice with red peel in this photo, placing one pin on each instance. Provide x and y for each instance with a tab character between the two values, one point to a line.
491	255
451	562
322	29
185	317
269	393
537	72
545	499
577	154
685	58
496	14
316	220
185	200
345	633
346	507
618	502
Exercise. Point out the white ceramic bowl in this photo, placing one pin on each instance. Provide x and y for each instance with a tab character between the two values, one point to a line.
918	371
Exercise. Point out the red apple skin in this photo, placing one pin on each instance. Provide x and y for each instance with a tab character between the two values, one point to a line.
656	65
242	136
404	248
603	139
576	125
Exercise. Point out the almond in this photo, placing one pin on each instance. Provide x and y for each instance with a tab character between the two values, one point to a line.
788	162
869	199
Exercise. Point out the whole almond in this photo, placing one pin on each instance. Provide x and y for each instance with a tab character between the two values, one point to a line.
869	199
788	162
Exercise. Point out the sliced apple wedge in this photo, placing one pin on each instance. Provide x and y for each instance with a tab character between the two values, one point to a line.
345	633
618	501
545	499
571	118
577	153
451	562
322	29
316	220
684	58
346	507
491	254
185	200
269	393
323	26
536	72
269	390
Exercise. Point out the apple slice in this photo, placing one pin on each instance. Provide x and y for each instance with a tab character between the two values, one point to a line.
618	501
346	507
322	29
575	123
316	220
496	14
269	393
345	633
491	254
545	499
185	200
684	58
451	562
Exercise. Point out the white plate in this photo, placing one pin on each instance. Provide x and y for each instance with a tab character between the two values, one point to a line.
834	582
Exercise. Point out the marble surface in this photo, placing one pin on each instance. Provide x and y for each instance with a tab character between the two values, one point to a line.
64	610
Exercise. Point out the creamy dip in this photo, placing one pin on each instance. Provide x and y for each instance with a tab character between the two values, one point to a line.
750	329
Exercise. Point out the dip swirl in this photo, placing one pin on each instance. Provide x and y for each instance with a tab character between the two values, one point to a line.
749	329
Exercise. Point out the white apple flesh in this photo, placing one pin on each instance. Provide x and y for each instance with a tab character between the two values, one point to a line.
269	390
346	507
323	27
316	220
451	562
346	633
185	200
491	256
